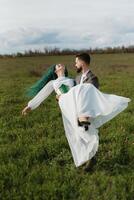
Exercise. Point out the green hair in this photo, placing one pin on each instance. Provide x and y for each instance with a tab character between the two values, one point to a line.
47	76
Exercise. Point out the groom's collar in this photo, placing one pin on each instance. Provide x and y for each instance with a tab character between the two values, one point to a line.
84	76
85	73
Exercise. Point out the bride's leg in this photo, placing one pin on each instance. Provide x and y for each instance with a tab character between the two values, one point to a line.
81	119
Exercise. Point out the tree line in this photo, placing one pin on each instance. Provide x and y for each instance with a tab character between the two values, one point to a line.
58	51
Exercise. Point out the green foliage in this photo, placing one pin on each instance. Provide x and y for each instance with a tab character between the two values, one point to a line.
35	158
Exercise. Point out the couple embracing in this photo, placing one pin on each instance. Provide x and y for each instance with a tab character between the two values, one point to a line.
83	106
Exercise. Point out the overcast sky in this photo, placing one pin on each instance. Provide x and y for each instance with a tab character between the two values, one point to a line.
35	24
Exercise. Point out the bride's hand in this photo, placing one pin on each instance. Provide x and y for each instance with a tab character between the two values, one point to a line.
26	110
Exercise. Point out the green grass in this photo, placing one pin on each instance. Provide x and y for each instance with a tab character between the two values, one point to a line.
35	158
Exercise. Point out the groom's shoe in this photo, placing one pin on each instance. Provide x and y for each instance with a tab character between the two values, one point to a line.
90	164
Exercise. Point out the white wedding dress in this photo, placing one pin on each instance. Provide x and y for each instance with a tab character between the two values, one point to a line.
82	100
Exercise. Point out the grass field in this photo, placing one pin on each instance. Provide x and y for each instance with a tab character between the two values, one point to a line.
35	158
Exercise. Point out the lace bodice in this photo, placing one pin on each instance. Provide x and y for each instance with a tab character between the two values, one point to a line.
62	81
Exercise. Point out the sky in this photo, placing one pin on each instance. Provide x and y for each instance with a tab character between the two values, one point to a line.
75	24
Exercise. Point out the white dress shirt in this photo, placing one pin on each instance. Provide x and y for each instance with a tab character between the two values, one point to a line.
83	77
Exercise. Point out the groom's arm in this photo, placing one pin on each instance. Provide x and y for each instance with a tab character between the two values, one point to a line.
93	79
95	82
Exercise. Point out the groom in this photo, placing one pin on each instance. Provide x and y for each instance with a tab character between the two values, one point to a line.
82	64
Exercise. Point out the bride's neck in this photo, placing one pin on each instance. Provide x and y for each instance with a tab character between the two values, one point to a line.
60	74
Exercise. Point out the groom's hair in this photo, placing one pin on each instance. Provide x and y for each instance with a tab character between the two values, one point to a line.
85	57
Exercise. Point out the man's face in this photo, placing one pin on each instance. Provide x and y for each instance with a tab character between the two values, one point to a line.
78	65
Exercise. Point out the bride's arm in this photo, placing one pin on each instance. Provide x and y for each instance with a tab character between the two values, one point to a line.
39	98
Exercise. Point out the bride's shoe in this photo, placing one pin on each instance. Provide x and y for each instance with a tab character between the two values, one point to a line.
84	122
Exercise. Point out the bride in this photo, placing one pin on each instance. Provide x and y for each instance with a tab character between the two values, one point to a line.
84	109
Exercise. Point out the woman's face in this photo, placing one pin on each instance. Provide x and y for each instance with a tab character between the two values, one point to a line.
60	68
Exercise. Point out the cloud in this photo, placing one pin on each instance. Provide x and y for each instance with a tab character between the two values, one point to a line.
22	39
43	38
65	24
27	37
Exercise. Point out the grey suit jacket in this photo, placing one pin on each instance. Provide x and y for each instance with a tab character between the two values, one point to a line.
91	78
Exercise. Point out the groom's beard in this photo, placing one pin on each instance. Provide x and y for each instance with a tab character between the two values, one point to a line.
79	70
